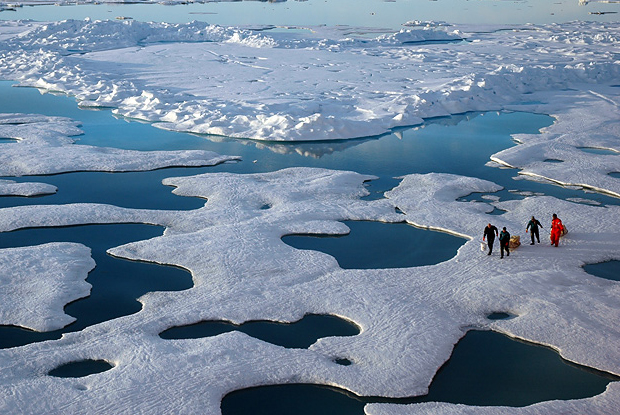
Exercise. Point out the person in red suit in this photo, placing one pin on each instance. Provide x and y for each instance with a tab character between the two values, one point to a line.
556	230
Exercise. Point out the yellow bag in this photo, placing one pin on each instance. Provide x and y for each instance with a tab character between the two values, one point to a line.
514	242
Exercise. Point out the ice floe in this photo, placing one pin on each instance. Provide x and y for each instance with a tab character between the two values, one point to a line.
251	83
44	145
12	188
410	318
336	84
38	281
297	88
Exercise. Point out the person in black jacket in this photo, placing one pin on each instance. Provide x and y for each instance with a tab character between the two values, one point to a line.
504	242
533	225
489	234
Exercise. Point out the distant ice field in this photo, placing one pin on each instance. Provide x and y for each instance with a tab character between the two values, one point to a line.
296	118
358	13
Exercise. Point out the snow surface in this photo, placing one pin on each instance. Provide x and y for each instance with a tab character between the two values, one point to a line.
333	84
38	281
410	318
11	188
268	86
44	146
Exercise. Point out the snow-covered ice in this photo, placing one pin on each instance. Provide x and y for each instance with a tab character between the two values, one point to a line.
11	188
267	86
243	271
329	84
37	282
44	145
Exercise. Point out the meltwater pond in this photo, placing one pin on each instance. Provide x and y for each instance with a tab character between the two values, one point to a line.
609	270
459	145
298	334
485	369
382	245
116	283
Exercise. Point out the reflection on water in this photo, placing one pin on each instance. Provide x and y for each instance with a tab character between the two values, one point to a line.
116	283
485	369
379	245
299	335
459	145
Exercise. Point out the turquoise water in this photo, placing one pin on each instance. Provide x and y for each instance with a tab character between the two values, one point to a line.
460	144
375	245
485	369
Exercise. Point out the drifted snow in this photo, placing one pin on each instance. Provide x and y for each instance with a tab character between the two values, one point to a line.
410	318
244	83
330	84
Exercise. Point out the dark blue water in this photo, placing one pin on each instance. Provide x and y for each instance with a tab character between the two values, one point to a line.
297	335
499	315
375	245
140	190
459	145
609	270
485	368
80	369
116	283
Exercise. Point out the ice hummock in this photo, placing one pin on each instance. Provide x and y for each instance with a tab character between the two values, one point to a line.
246	83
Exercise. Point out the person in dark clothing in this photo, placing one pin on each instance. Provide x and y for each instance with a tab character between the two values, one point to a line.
533	225
489	234
504	242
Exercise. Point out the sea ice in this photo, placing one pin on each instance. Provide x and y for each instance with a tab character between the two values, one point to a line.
12	188
268	86
38	281
44	146
334	84
410	318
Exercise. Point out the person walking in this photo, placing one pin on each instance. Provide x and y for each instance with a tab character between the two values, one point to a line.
556	230
490	232
533	225
504	242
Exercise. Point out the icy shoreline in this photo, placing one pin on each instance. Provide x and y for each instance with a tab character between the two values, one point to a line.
257	84
225	246
246	83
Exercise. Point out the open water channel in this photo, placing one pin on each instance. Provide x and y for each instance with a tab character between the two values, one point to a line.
459	144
